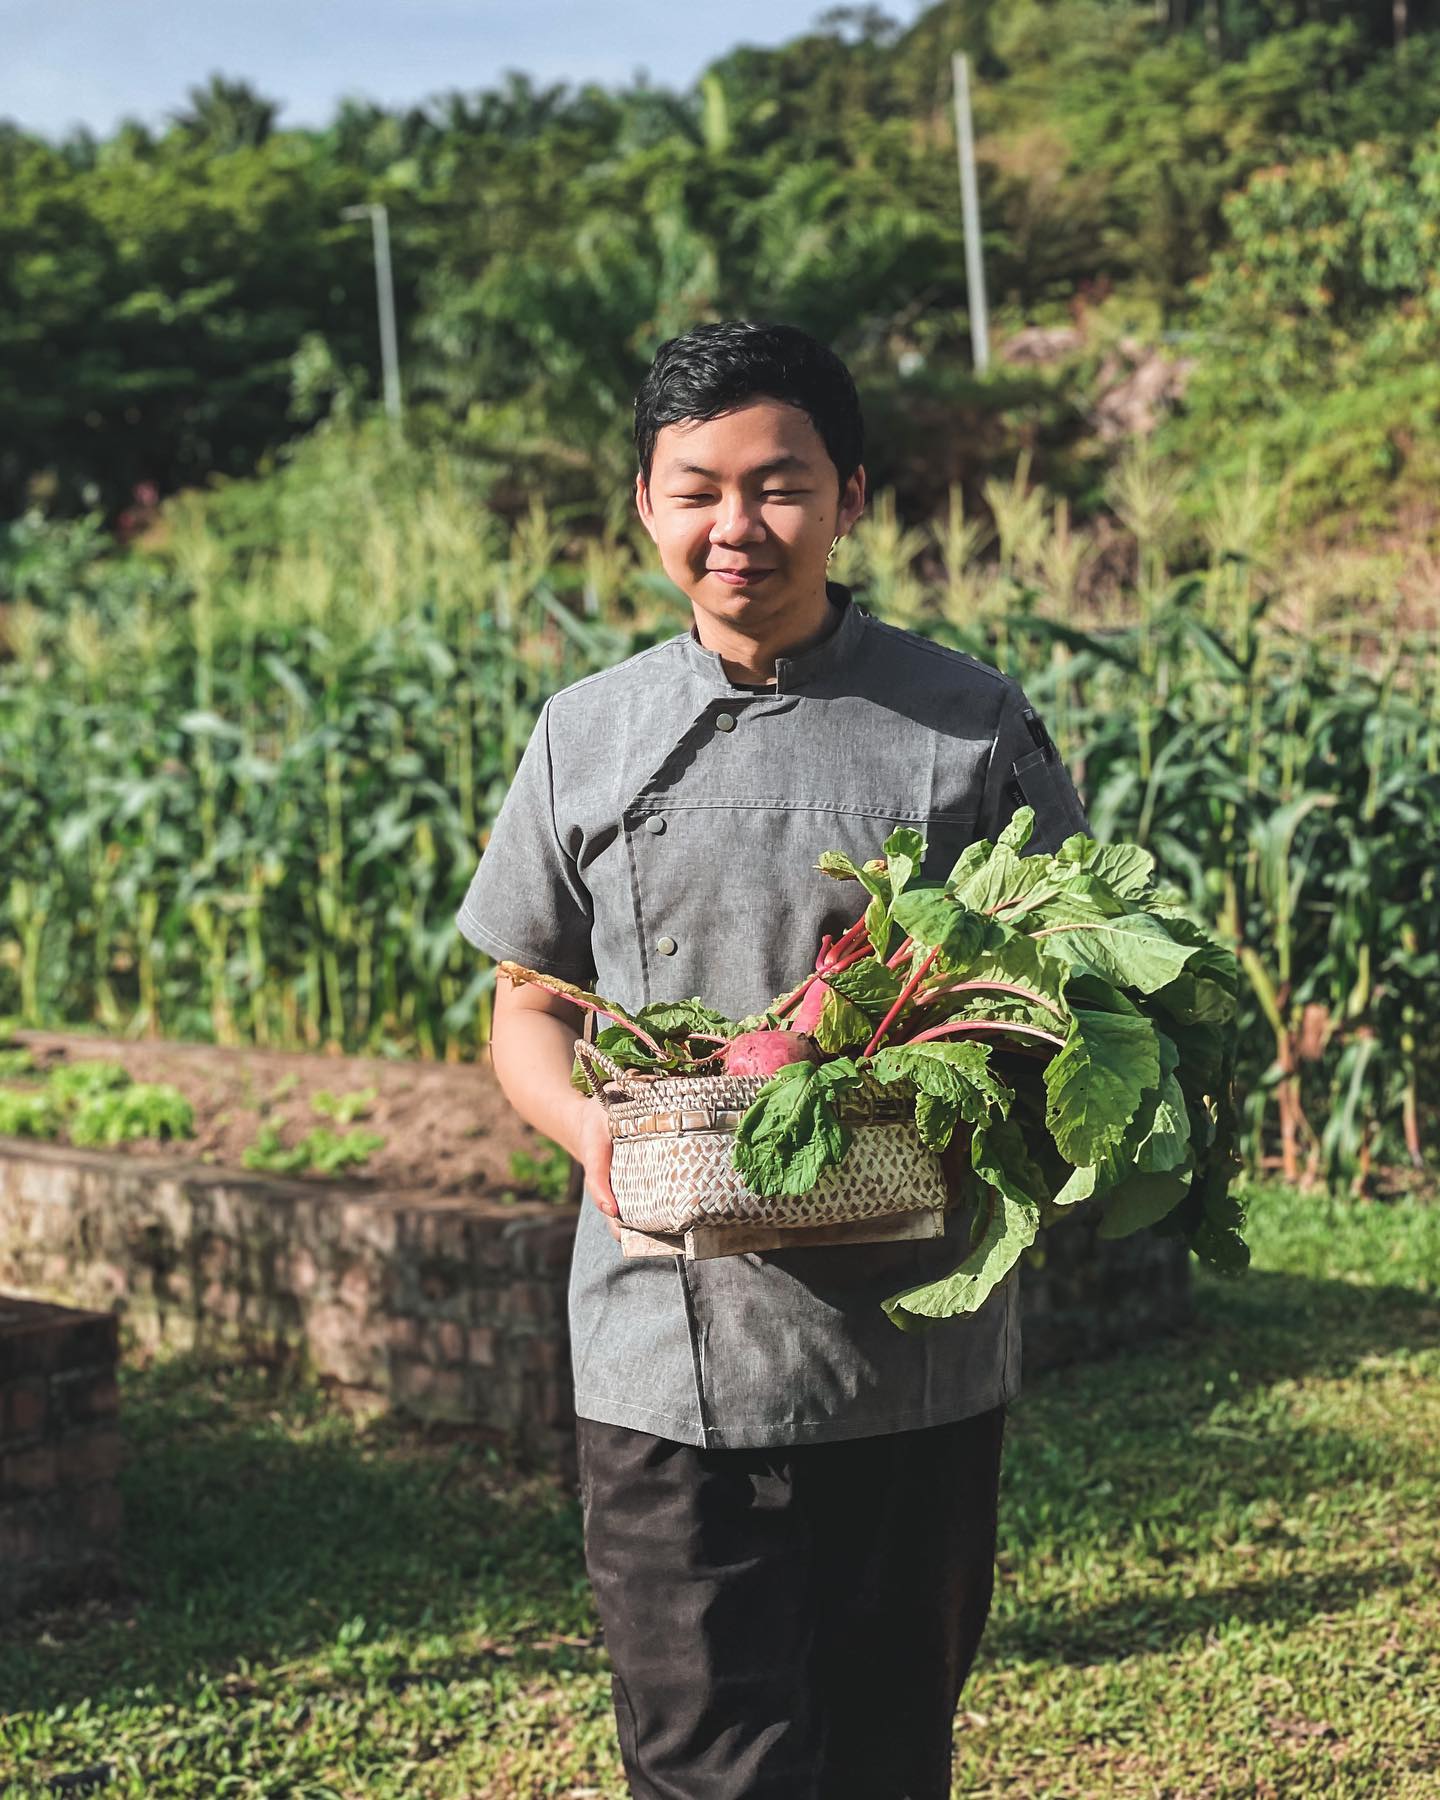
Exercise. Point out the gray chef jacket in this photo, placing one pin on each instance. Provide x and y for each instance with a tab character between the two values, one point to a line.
659	842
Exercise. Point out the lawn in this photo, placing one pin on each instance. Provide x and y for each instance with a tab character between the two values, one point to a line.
1218	1576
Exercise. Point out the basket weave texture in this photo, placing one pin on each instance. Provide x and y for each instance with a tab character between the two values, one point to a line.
672	1137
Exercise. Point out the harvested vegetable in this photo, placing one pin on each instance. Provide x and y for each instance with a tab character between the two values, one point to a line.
1061	1018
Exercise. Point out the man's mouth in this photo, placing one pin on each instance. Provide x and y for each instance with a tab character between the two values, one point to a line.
741	577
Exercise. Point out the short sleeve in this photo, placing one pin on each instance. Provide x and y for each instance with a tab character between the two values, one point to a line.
526	902
1026	770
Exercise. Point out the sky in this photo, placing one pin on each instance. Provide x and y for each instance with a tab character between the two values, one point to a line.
94	62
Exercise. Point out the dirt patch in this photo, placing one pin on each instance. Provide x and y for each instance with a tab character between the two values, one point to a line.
448	1128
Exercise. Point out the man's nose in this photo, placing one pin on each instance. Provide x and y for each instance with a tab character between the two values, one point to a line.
737	520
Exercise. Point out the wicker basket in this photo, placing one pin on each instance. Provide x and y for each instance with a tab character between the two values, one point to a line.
673	1177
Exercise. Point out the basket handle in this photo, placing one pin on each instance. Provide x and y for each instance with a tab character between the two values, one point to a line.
592	1058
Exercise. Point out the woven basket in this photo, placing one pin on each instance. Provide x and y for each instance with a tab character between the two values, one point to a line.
672	1137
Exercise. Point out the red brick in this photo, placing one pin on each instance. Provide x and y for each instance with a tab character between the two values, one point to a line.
482	1346
527	1300
413	1381
91	1338
304	1272
447	1396
541	1353
94	1395
29	1471
91	1456
403	1334
357	1289
22	1535
24	1410
99	1511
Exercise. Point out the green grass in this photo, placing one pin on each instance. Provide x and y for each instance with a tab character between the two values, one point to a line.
1217	1576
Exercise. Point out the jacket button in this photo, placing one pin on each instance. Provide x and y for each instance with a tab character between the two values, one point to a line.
666	946
724	721
654	823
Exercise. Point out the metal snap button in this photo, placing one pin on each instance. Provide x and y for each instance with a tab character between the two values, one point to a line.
724	721
665	945
654	823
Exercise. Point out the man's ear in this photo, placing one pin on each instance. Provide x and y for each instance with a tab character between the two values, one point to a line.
852	502
643	506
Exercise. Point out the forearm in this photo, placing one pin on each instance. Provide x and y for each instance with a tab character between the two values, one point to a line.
532	1054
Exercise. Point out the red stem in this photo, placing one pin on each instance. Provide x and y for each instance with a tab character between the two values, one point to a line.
990	987
905	993
954	1027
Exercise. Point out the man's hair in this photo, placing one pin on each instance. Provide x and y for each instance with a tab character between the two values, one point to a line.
713	368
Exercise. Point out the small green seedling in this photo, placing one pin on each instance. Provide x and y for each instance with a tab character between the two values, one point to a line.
344	1107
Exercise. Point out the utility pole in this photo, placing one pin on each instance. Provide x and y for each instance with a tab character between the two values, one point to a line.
379	218
970	211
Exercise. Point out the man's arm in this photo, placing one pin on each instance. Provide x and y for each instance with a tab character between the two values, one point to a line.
532	1051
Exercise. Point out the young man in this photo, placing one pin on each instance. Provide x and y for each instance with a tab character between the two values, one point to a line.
789	1504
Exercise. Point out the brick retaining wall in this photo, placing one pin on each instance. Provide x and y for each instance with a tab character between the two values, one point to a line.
60	1452
444	1310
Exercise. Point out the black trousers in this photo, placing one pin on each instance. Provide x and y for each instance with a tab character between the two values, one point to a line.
791	1624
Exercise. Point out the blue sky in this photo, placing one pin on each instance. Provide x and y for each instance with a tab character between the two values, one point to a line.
93	62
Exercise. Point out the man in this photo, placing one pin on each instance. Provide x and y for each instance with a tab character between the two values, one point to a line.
789	1504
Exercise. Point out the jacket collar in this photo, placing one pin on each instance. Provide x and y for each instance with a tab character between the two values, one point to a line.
805	669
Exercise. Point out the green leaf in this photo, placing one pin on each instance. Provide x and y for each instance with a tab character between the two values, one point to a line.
1010	1226
1018	832
971	860
1003	880
904	852
958	1073
1143	1198
841	1023
790	1133
1126	868
1132	950
869	984
1000	1155
678	1018
1096	1083
878	928
936	921
935	1120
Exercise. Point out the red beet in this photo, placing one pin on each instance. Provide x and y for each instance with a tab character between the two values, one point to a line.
767	1052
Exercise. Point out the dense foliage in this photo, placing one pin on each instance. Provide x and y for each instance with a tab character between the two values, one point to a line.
176	302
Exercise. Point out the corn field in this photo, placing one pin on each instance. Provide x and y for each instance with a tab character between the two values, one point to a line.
242	797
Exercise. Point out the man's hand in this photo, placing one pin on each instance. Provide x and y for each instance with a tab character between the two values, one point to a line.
593	1151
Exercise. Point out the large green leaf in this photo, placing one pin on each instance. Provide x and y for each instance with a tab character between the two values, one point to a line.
1009	1226
1096	1083
1132	950
791	1132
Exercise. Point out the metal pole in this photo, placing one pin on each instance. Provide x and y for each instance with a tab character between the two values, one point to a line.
385	300
970	210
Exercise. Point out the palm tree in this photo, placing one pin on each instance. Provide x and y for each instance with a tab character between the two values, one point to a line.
227	115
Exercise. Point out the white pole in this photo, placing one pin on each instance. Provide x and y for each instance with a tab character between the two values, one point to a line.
385	299
970	210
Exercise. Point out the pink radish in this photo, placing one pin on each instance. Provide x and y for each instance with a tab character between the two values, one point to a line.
767	1052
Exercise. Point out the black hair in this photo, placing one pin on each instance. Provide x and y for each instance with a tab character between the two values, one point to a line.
715	367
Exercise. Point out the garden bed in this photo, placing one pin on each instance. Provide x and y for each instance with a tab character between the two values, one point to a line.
448	1130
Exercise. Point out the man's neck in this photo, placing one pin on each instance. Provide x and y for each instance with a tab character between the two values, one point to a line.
749	660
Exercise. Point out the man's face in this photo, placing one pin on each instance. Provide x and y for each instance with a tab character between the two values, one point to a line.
754	492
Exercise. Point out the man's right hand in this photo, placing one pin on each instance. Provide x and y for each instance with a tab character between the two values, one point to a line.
593	1152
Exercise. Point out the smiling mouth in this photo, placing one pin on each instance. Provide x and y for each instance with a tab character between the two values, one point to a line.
740	577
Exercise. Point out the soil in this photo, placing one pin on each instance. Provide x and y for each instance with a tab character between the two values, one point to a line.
449	1130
